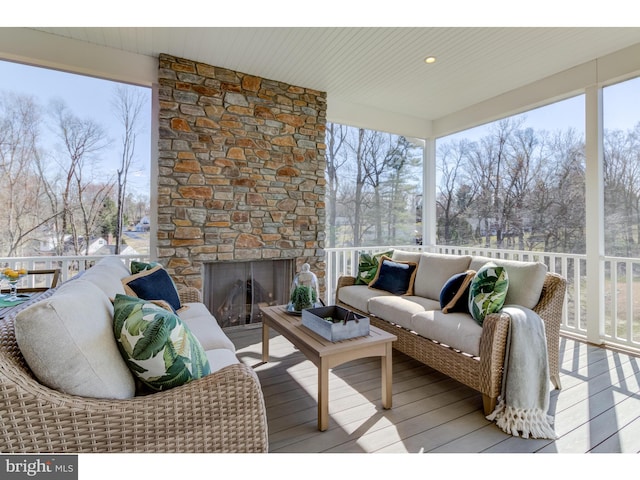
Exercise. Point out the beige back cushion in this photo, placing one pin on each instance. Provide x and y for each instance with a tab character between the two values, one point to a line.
403	256
107	274
525	279
68	342
434	270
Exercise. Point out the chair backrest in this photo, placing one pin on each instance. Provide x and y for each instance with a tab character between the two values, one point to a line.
55	278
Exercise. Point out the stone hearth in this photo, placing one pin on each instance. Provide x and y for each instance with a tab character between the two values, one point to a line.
240	170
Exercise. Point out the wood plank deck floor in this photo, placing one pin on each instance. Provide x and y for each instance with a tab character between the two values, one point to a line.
597	410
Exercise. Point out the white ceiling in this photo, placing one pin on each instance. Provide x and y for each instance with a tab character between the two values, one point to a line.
381	68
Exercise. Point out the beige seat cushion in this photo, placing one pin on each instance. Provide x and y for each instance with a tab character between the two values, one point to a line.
458	330
434	270
358	296
525	279
220	358
205	327
67	340
400	309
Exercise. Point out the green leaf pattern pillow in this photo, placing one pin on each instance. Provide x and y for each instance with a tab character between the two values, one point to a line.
488	291
157	346
137	267
368	266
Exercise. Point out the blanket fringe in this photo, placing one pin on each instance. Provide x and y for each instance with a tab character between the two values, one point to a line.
523	422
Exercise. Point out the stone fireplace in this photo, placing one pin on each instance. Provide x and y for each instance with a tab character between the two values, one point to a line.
240	171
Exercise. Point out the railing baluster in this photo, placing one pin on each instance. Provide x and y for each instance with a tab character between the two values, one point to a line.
629	329
613	292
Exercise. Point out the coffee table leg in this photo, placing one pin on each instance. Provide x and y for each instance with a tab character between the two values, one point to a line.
323	396
265	342
387	377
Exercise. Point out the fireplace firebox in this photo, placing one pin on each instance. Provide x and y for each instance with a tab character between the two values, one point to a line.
234	291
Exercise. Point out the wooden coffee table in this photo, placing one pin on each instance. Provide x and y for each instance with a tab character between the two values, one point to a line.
326	355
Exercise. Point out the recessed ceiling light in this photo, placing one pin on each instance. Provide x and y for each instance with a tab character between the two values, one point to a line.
430	60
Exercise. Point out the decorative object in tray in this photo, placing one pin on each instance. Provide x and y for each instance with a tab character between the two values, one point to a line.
335	323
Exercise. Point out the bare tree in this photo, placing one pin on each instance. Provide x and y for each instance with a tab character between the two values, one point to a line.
400	164
375	185
336	158
20	185
490	157
456	193
358	147
523	166
128	104
622	190
81	141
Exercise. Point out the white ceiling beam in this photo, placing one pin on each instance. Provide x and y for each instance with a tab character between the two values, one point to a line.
375	119
60	53
603	71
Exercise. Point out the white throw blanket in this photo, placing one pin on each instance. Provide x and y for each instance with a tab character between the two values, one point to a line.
524	402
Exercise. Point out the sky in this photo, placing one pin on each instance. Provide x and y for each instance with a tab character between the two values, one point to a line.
87	98
621	111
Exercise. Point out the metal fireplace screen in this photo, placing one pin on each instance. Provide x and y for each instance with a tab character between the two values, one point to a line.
234	291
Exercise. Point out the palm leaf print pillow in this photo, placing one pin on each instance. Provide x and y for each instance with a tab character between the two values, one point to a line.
368	265
488	291
156	345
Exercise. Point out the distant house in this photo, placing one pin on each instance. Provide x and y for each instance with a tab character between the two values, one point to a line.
144	225
95	246
111	250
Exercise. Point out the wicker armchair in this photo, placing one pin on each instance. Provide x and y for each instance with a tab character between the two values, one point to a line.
222	412
483	373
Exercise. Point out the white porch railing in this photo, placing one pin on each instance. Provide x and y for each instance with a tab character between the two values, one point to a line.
622	282
622	286
68	265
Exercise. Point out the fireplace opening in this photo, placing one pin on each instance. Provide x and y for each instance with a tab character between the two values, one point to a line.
235	291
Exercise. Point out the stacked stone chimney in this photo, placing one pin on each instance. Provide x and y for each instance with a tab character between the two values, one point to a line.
240	170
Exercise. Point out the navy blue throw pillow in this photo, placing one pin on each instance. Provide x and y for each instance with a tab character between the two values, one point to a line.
454	296
395	277
153	284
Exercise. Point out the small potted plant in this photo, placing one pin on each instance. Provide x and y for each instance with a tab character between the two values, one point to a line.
302	297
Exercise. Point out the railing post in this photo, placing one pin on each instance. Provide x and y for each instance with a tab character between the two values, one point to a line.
429	217
594	187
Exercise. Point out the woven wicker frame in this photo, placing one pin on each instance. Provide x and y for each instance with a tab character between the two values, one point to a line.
222	412
483	373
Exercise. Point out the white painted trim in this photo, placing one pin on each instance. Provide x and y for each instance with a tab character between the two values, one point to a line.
594	199
42	49
360	116
549	90
429	218
153	171
606	70
619	66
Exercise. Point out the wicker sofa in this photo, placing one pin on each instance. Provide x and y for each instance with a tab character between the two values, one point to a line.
454	343
221	412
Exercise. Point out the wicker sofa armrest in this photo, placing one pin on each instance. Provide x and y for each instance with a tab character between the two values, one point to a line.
493	345
550	307
189	294
222	412
344	281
